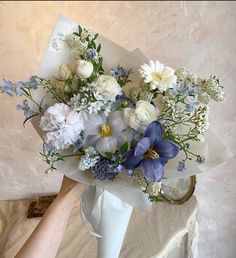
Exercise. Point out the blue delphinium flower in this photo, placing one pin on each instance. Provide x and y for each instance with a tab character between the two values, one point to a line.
200	159
32	83
91	53
179	88
183	89
18	88
190	107
115	72
48	149
104	169
120	72
192	91
181	166
7	87
151	153
11	88
28	112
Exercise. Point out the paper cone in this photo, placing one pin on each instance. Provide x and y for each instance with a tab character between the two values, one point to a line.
109	217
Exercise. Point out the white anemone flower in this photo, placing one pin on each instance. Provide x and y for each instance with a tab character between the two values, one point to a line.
159	76
107	134
62	124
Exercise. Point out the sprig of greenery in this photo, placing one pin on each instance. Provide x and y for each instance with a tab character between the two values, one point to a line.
52	157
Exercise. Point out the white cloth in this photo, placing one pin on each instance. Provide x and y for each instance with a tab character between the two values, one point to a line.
167	231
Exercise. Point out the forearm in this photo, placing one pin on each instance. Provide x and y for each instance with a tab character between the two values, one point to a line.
47	236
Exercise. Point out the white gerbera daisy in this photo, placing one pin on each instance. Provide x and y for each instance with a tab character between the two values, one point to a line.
159	76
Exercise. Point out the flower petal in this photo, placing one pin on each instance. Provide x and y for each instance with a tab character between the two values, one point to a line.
153	170
92	124
131	161
154	132
167	149
116	120
142	146
91	140
106	144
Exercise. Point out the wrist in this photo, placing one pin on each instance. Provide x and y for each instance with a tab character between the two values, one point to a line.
70	198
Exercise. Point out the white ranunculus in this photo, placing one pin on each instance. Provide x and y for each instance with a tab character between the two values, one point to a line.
142	116
62	124
158	76
84	69
65	72
108	87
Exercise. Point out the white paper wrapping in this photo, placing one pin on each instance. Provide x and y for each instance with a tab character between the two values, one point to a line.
58	53
109	217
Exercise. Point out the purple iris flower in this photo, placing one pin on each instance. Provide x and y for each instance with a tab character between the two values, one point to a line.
151	153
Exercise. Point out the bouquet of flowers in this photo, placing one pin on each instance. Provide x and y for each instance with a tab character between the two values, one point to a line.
135	122
112	132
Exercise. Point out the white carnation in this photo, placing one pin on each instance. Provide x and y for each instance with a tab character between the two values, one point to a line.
108	87
142	116
62	124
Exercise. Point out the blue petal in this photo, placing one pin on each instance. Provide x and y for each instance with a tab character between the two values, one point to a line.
167	149
131	161
154	132
142	146
153	170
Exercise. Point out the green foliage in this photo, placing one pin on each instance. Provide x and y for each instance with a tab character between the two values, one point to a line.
155	199
109	155
124	148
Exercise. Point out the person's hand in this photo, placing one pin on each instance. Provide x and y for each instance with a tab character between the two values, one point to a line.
46	238
70	191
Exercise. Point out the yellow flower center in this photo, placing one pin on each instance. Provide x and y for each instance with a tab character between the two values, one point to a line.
157	76
105	130
151	153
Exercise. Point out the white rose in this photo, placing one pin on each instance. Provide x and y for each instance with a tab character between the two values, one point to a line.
108	87
84	69
142	116
62	124
65	72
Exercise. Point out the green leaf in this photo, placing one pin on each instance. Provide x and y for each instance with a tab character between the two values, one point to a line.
95	36
124	148
109	154
99	48
40	104
75	33
80	29
29	118
169	137
93	44
155	199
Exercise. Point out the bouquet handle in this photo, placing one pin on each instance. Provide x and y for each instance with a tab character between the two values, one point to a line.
109	216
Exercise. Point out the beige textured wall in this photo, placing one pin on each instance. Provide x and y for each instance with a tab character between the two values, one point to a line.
197	35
